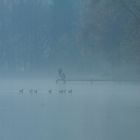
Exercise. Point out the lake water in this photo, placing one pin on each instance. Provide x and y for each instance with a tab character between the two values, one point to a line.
42	110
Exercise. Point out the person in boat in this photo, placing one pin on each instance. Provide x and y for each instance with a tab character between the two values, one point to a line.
62	76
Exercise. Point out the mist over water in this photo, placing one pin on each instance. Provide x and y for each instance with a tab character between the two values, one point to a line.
69	70
101	110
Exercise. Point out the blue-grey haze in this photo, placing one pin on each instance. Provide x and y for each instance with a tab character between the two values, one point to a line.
83	37
91	47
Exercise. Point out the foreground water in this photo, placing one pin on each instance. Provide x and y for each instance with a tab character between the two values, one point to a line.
42	110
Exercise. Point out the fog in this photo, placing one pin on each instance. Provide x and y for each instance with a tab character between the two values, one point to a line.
83	37
69	69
